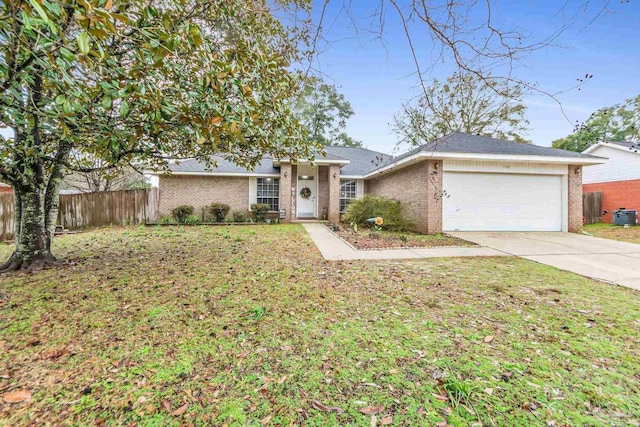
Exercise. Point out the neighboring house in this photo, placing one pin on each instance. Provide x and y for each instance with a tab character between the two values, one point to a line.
458	182
618	179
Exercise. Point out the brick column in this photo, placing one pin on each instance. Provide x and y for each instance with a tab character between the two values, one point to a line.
575	199
285	189
334	193
434	197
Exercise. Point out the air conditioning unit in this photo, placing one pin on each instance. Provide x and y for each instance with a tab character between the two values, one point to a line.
625	217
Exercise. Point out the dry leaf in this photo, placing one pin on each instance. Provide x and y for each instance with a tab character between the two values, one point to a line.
266	419
315	404
16	396
166	405
55	353
488	338
181	410
372	410
385	421
489	391
243	354
440	397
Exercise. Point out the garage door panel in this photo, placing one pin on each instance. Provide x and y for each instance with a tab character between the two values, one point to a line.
502	202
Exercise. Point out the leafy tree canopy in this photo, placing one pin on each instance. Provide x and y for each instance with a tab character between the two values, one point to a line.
139	81
463	103
324	112
619	122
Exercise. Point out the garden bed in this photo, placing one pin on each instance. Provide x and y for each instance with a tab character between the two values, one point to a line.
371	239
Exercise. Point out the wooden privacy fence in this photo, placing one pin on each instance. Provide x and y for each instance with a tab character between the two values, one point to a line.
592	207
126	207
6	216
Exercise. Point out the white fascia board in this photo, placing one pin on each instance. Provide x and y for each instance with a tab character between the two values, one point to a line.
593	148
515	158
351	176
237	174
610	145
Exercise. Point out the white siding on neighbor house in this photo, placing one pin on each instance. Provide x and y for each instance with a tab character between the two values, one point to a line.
623	165
504	167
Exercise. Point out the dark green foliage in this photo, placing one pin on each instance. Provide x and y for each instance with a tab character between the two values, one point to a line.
219	211
369	206
259	210
239	216
192	219
181	213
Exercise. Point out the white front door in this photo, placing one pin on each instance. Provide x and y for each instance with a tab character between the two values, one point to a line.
307	196
501	202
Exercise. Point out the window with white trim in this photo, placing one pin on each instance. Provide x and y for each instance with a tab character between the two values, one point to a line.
268	192
348	192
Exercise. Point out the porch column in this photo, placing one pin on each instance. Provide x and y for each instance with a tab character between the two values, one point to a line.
434	196
334	193
575	199
285	190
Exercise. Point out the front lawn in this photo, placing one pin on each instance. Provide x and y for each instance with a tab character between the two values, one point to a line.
366	238
249	326
615	232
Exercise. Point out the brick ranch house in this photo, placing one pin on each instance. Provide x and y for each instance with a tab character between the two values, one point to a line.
459	182
618	179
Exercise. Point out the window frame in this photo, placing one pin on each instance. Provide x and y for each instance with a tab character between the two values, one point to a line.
268	189
350	193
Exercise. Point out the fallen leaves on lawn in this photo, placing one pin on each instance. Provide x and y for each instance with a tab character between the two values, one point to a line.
315	404
488	338
372	410
385	421
181	410
55	353
16	396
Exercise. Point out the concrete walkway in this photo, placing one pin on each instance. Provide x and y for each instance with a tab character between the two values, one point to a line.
603	259
333	248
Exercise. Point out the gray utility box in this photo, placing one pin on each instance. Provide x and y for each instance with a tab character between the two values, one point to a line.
624	217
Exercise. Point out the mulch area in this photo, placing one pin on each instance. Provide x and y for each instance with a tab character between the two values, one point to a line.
371	239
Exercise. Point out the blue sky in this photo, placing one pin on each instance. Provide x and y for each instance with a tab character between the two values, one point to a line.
376	77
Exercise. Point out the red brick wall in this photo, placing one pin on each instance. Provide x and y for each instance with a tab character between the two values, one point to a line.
575	199
416	187
200	191
615	195
323	192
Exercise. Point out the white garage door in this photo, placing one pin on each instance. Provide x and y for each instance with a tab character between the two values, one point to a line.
501	202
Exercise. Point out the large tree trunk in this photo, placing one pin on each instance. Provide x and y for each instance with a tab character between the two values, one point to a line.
32	240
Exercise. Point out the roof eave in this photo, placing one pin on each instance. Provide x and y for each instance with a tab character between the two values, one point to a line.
206	173
514	158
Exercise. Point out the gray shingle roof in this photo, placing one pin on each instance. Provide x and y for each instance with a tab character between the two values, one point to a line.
475	144
224	166
361	160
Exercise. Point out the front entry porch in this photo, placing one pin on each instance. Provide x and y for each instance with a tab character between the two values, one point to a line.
310	192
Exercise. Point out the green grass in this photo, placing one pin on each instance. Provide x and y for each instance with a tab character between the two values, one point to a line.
250	326
614	232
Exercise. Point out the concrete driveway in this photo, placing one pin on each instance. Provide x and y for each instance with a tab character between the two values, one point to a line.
603	259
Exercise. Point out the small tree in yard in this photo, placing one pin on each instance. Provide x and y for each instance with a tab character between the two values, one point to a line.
138	81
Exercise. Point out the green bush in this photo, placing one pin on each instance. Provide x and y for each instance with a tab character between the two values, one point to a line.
192	219
165	219
219	211
259	210
238	216
181	213
368	206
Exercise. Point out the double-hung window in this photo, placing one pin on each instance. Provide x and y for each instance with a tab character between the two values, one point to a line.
348	192
268	192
